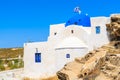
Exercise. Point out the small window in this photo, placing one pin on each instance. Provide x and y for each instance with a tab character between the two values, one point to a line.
38	57
75	23
97	29
79	20
72	31
55	33
68	21
67	55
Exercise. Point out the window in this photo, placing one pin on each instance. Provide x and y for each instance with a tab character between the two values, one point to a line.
79	20
72	31
68	21
75	23
55	33
38	57
97	29
67	55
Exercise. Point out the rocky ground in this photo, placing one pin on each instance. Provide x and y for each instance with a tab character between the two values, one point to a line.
100	64
114	28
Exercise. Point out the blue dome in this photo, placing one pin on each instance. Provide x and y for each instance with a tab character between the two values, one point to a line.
79	19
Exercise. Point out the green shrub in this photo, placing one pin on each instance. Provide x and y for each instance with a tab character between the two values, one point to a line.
16	60
1	61
2	67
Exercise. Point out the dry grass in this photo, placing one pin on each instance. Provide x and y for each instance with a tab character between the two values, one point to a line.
50	78
10	52
26	78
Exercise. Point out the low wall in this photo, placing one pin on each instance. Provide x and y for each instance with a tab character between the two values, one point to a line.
15	74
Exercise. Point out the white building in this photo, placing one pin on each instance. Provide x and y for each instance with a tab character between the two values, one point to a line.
66	41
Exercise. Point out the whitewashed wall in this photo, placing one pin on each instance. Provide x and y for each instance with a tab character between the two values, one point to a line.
102	38
53	59
43	69
61	59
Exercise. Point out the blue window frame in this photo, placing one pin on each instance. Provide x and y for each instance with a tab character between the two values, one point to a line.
97	29
67	55
37	57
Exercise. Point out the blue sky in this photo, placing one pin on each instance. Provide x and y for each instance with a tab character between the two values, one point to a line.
28	20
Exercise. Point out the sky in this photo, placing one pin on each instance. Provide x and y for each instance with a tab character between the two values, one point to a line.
22	21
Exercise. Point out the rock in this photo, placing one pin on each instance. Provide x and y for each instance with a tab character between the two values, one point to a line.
93	63
103	62
62	76
100	64
114	28
70	71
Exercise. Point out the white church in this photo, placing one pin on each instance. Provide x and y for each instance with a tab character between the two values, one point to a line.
66	41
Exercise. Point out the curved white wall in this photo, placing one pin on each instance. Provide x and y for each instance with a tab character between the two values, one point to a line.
60	56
